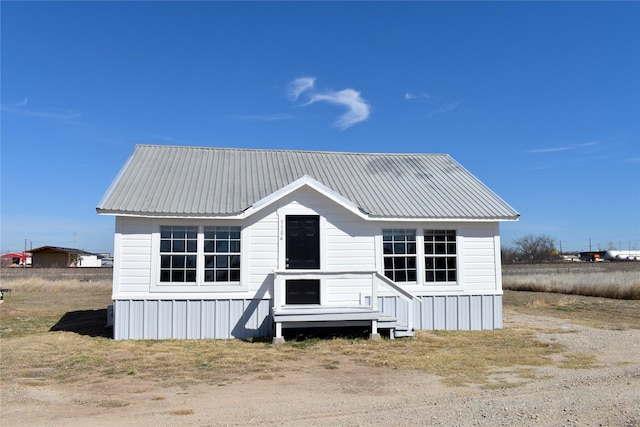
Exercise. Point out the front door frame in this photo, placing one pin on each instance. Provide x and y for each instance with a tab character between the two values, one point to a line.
282	238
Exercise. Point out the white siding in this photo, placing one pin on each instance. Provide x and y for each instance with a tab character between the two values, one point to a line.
345	292
348	243
262	256
478	255
133	256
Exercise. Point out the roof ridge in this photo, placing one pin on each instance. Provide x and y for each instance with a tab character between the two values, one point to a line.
285	150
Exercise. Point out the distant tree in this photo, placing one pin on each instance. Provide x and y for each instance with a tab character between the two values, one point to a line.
509	254
536	249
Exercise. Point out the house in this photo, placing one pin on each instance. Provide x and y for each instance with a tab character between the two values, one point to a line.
223	243
16	259
59	257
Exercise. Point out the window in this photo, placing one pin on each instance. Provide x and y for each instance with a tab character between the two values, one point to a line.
221	254
194	255
178	253
399	251
440	256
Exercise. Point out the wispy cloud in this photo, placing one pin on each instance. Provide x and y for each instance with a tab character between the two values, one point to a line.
20	108
260	117
589	144
563	147
409	96
358	110
438	106
550	150
300	85
634	160
446	108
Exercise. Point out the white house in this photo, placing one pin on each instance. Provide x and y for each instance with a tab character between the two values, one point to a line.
222	243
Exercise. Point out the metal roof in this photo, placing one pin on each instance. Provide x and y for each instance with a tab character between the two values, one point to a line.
59	249
197	181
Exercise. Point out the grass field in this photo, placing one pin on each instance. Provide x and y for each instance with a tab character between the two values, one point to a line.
620	280
55	330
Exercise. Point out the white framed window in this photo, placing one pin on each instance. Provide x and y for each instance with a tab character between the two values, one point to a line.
178	253
399	252
221	254
440	256
197	258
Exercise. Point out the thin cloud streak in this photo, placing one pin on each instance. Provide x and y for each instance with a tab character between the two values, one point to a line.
358	110
563	148
550	150
419	97
18	108
445	109
261	117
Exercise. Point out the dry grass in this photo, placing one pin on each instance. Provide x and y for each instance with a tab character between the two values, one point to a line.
55	331
604	313
609	280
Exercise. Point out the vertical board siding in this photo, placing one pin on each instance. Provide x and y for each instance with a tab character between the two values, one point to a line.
191	319
150	327
234	318
475	312
221	319
459	312
463	311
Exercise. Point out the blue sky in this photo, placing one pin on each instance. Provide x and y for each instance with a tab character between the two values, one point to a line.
540	100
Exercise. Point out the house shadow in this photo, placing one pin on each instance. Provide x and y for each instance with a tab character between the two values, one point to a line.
85	322
250	326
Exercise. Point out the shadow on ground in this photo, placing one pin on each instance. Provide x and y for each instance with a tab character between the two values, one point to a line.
85	322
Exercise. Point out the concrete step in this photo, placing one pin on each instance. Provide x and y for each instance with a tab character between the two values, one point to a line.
398	333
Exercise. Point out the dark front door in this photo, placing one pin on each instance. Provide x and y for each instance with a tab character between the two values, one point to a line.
303	242
303	252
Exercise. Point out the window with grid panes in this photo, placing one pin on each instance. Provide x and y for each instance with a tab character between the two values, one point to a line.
178	253
221	254
399	252
440	256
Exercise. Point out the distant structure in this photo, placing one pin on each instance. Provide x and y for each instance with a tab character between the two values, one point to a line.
623	255
59	257
16	259
598	256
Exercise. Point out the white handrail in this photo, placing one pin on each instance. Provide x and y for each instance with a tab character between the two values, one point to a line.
280	277
402	293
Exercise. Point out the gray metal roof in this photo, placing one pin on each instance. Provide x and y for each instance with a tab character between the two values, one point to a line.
165	180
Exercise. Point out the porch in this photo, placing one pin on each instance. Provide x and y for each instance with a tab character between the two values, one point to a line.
304	299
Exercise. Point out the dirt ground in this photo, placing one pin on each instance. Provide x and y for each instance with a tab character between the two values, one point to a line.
354	395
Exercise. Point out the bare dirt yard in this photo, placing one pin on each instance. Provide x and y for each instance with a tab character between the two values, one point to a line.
559	361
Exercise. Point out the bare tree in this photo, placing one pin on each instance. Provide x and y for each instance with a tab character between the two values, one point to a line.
536	249
509	254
